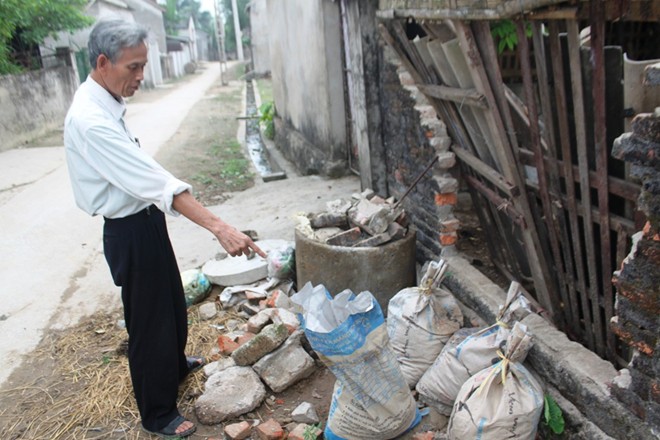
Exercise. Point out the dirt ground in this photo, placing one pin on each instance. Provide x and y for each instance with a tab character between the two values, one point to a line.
76	384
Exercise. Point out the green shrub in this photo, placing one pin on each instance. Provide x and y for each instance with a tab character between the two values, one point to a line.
267	112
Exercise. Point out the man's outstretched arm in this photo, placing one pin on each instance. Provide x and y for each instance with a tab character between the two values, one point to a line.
235	242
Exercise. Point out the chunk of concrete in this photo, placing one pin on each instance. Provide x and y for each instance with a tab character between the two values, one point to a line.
304	431
271	337
207	311
305	413
213	367
257	322
232	271
286	365
229	394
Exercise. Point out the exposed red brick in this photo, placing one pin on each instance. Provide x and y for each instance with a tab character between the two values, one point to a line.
270	302
448	239
446	199
238	431
424	436
270	430
655	390
227	345
244	338
639	295
630	339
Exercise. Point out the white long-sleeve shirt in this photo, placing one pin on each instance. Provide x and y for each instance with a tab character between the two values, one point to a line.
110	174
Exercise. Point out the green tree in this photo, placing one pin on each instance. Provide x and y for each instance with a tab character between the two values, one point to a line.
31	21
178	12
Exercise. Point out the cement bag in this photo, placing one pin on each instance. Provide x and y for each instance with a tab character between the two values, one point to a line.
456	363
502	401
372	400
420	320
196	286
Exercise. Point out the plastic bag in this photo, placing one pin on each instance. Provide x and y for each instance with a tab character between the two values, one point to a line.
502	401
196	286
371	400
420	320
281	262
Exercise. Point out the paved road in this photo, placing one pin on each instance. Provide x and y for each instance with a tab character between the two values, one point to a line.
51	264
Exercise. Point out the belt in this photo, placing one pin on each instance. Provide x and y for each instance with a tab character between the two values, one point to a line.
145	213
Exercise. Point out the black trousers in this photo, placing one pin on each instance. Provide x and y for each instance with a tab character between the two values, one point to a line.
142	262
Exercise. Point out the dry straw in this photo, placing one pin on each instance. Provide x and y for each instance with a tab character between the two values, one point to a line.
84	388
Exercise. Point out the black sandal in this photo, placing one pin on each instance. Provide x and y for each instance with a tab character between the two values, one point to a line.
195	363
170	430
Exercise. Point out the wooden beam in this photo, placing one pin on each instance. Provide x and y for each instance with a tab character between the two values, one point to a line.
460	96
488	173
575	65
502	204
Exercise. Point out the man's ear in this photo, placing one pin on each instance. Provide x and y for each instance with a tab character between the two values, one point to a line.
102	61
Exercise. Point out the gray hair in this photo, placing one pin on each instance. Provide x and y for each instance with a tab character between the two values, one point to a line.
110	37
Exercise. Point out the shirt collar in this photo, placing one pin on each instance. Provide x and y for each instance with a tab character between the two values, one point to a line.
116	108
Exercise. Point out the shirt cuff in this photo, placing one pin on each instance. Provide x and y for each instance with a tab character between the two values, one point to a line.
172	188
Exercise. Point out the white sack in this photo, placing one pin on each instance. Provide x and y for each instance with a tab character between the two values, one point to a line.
440	384
420	321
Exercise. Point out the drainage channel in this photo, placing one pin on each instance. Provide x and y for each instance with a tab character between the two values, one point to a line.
266	166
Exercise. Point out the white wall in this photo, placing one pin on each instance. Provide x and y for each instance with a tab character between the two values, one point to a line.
308	81
259	26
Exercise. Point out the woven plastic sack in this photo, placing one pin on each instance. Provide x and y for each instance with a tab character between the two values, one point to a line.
420	321
196	287
441	382
502	401
371	400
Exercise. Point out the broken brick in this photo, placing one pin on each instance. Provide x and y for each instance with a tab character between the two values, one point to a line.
270	430
446	199
244	338
346	238
238	431
227	345
448	239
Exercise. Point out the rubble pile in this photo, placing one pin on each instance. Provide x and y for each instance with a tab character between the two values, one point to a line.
264	347
366	220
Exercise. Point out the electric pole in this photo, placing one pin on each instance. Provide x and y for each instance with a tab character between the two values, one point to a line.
237	31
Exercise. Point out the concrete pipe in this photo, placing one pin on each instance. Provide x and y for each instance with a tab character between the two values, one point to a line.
382	270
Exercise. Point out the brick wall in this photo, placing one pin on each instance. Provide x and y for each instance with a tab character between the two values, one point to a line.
638	281
413	135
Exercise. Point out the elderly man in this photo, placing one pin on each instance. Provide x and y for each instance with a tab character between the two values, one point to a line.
111	176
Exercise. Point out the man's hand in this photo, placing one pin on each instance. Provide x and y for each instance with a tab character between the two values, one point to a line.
235	242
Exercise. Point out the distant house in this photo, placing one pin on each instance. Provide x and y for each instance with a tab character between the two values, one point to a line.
147	12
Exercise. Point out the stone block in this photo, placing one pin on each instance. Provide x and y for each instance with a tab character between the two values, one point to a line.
271	337
346	238
446	184
646	126
637	150
257	322
374	240
446	160
305	413
229	394
207	311
328	219
213	367
269	430
238	431
286	365
440	143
